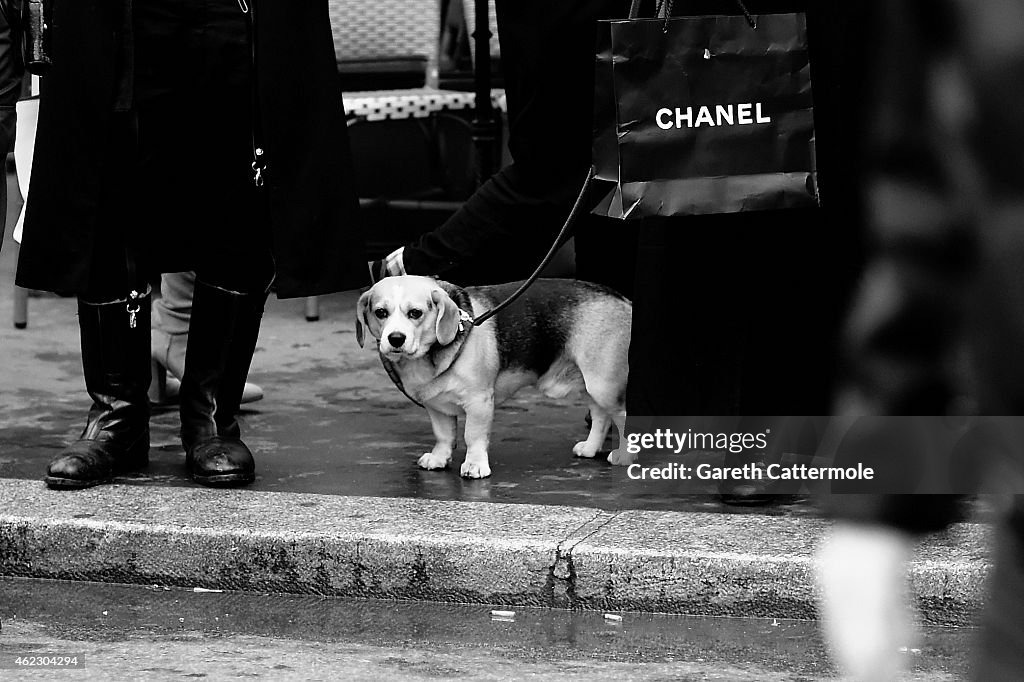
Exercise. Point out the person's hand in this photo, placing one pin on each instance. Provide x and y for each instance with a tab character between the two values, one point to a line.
865	614
391	265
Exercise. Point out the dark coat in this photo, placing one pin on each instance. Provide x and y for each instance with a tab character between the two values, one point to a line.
312	208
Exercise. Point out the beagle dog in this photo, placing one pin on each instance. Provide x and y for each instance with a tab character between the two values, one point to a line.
560	335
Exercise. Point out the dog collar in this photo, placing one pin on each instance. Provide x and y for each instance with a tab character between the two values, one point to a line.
465	320
465	327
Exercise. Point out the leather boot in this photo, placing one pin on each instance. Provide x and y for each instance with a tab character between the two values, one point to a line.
222	340
115	357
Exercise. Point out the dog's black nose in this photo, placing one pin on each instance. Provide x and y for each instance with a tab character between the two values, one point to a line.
396	339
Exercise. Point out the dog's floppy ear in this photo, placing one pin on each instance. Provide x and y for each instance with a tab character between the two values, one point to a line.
362	308
446	325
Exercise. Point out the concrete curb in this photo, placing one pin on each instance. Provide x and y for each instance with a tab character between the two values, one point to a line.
514	555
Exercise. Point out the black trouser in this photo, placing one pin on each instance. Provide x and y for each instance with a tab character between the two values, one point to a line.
737	315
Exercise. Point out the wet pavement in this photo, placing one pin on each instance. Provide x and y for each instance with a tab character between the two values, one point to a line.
331	422
160	633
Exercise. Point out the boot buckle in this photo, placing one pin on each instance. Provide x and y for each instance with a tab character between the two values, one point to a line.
133	307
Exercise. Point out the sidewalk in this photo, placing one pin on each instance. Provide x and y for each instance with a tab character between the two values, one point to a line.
340	508
464	552
331	423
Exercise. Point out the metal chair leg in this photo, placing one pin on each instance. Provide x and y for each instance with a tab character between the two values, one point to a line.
20	307
312	308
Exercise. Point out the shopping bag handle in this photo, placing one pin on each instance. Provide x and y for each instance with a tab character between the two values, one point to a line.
664	11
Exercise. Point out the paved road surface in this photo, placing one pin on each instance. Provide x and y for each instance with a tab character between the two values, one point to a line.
157	634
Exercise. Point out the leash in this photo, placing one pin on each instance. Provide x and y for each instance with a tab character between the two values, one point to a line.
573	214
389	367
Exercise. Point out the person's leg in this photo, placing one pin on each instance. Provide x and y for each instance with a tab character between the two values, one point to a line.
234	269
187	53
114	320
171	312
115	335
225	324
747	306
233	278
689	320
171	315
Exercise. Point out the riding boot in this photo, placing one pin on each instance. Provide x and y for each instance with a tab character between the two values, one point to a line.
115	357
222	340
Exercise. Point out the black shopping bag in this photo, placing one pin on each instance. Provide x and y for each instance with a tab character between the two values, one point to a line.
704	114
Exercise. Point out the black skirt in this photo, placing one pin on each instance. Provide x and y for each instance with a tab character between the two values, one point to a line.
185	190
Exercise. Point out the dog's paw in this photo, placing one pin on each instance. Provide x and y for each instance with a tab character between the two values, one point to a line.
431	461
621	458
581	450
475	470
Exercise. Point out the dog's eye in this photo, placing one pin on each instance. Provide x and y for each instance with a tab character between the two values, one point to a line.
380	313
415	314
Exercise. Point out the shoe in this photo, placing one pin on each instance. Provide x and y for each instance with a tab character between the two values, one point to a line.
115	358
169	366
760	492
223	333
